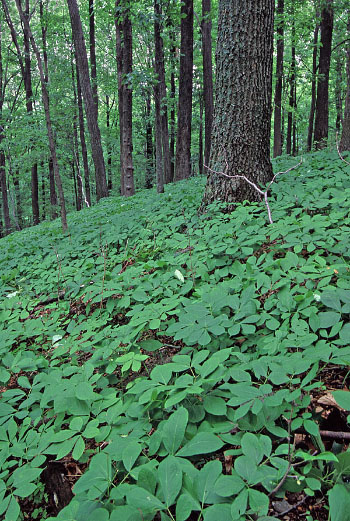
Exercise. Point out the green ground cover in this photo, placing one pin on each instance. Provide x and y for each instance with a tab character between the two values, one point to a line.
178	360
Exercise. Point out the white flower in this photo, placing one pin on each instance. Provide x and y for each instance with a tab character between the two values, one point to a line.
10	295
179	275
317	297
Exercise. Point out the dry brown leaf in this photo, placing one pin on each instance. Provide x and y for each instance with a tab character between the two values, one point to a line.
328	400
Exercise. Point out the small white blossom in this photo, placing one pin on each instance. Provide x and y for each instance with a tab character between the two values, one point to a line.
10	295
317	297
179	275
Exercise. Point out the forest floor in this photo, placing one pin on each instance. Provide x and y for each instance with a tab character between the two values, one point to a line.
160	364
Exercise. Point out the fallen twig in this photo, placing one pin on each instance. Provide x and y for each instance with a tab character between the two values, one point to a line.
292	507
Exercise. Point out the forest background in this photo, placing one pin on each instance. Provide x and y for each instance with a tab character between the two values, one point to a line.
136	73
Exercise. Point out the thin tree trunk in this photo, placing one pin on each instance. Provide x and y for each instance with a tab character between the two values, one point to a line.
310	132
295	133
184	115
128	167
53	194
149	144
25	66
82	140
338	93
43	192
3	182
109	151
93	54
172	111
277	129
45	98
291	109
75	146
345	137
19	210
159	151
160	73
29	105
321	118
119	59
91	115
3	187
200	144
207	78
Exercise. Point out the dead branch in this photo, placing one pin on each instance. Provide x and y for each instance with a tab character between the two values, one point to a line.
339	153
261	192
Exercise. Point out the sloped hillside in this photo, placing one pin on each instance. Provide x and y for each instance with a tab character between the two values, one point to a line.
175	366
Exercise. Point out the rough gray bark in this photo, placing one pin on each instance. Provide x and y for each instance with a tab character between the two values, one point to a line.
345	137
90	109
277	123
321	118
242	113
45	98
184	113
207	78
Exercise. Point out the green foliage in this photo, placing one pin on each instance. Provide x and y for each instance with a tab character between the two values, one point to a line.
108	357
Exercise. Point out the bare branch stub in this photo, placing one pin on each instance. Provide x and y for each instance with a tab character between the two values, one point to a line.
264	194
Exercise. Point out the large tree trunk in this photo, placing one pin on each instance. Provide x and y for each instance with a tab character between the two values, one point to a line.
184	115
160	73
310	132
45	99
345	137
242	113
321	119
90	109
277	124
207	77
